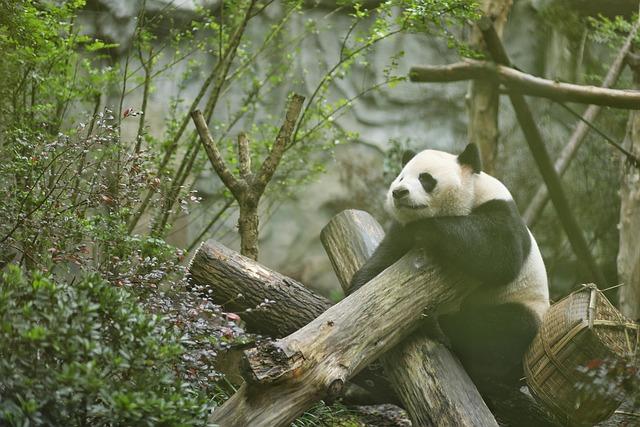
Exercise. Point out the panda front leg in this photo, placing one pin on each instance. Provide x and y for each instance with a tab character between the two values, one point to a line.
397	242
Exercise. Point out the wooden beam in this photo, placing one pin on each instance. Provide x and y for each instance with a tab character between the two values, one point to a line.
432	384
542	159
526	84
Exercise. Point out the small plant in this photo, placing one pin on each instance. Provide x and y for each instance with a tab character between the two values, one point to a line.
86	353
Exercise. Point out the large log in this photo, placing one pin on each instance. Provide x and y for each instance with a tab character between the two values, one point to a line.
526	84
431	382
270	303
286	377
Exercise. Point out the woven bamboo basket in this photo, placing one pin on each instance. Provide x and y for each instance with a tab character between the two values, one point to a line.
577	330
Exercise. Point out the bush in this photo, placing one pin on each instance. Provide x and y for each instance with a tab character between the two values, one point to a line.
86	353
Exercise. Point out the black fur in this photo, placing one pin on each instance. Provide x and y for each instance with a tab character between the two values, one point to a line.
490	244
406	156
471	157
490	341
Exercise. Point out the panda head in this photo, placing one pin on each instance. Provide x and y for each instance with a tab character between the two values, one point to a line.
434	183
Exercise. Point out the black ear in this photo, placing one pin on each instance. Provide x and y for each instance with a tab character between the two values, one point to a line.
471	157
406	156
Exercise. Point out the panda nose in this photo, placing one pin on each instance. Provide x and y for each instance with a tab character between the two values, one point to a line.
399	193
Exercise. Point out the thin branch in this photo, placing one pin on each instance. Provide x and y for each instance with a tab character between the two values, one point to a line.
270	164
215	158
330	73
527	84
543	160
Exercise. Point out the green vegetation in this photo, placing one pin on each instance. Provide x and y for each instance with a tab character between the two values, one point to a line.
86	353
97	323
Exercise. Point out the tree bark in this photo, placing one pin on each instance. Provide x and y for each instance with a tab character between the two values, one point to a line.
540	199
248	188
431	382
269	303
629	226
526	84
248	228
286	377
484	96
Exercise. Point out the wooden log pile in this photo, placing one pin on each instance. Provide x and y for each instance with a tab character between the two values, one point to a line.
332	345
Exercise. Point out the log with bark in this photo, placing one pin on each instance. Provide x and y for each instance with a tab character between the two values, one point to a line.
270	303
284	378
431	382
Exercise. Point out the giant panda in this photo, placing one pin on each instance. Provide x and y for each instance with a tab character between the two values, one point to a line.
466	220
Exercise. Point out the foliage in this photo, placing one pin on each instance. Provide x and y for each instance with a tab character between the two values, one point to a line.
322	414
89	197
86	353
41	47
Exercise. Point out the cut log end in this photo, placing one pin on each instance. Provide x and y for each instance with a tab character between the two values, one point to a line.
269	363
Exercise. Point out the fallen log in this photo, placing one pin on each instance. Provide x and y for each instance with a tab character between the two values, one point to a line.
432	384
284	378
526	84
270	303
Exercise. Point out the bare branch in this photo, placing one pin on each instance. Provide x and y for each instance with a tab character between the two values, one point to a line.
215	158
270	164
539	201
527	84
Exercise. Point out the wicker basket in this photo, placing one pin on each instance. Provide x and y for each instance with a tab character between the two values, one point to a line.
580	328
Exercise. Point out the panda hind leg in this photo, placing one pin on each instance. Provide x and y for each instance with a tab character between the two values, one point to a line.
490	342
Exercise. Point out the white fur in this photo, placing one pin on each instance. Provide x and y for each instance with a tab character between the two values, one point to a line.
457	192
453	195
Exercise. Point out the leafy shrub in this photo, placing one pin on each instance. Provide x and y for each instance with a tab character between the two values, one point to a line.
86	353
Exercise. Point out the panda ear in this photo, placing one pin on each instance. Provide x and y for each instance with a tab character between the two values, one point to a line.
406	156
471	157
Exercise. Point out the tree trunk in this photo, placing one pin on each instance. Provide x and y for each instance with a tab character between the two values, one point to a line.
286	377
248	228
431	382
484	97
629	227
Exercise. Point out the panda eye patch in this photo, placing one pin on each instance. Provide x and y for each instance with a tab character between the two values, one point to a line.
428	182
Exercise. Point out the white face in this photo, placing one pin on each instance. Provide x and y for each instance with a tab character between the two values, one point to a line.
431	184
